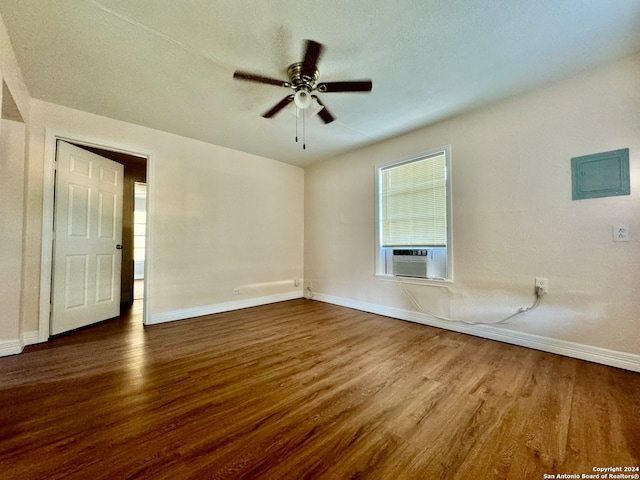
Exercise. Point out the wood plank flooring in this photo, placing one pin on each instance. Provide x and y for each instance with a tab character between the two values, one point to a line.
306	390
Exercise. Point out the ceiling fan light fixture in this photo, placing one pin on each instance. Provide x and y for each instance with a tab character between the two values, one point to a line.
311	111
302	99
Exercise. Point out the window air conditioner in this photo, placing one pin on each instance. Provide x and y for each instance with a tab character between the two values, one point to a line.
410	263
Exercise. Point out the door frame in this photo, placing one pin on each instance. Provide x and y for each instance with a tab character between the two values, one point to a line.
51	138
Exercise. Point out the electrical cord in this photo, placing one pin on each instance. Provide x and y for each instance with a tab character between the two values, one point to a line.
539	293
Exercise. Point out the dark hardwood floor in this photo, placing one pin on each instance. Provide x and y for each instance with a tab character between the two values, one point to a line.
303	389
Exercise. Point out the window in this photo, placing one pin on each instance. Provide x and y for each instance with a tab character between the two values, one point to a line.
414	217
139	229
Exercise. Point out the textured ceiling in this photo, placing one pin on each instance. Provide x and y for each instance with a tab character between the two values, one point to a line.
169	64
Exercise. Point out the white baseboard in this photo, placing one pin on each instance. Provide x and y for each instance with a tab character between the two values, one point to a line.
15	346
613	358
10	347
30	338
221	307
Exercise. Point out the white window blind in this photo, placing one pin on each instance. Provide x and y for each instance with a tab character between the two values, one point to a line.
414	203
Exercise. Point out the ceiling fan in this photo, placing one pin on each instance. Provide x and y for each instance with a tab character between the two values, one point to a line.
303	80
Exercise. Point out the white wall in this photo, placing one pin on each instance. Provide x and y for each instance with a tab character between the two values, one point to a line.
10	73
513	217
11	225
220	219
14	106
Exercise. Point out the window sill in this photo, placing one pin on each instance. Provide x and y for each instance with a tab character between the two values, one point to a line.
434	282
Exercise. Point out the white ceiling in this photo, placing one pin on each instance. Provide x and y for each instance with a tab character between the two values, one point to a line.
169	64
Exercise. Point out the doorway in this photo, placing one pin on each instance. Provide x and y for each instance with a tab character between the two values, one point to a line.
135	170
133	218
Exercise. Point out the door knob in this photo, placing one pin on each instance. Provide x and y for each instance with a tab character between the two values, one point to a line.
118	247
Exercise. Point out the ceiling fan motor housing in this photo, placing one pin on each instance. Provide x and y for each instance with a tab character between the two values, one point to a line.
299	81
302	84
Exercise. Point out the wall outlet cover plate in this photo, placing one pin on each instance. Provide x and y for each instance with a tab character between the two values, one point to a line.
621	233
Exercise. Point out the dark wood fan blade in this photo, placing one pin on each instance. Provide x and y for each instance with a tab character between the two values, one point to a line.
324	114
352	86
279	106
252	77
311	57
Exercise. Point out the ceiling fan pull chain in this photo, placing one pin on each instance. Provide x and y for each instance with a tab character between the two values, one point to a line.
304	144
297	110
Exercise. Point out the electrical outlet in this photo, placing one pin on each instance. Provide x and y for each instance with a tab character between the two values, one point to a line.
621	233
542	286
236	291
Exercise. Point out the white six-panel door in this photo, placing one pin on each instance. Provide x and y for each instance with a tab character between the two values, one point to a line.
87	239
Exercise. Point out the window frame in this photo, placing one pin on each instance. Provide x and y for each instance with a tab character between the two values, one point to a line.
380	252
